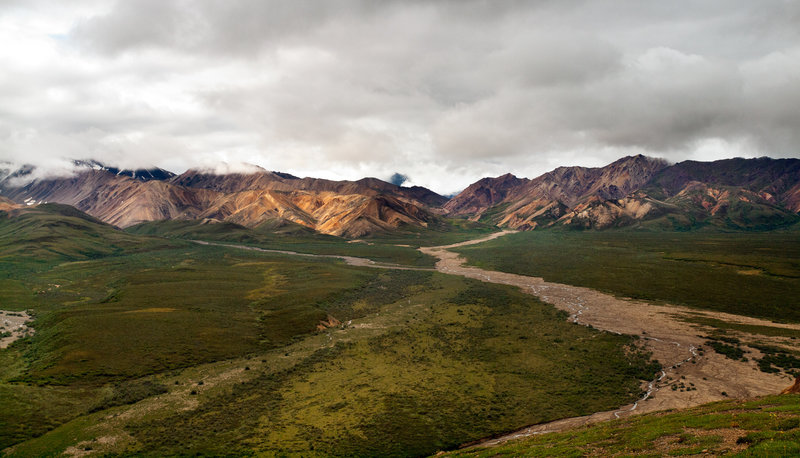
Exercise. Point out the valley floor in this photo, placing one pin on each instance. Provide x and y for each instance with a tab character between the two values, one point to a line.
693	373
418	359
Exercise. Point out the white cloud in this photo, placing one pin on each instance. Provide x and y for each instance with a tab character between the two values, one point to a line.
444	92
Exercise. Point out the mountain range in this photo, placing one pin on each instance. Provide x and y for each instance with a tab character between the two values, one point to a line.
735	194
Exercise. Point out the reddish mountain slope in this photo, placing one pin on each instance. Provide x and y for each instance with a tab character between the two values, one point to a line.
484	194
265	180
116	199
352	209
776	180
735	193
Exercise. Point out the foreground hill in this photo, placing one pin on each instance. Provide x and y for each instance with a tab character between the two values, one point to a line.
762	427
734	193
124	199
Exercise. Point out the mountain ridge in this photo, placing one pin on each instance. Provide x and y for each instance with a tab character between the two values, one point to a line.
732	193
346	208
738	194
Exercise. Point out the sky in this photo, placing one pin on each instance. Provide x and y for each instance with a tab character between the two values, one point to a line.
439	92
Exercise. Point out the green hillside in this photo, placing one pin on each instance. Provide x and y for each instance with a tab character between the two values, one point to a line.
764	427
55	231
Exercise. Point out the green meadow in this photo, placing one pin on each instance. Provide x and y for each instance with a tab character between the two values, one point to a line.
755	273
159	346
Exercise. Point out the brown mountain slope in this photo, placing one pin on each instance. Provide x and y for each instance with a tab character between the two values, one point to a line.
265	180
124	201
350	215
736	193
7	205
484	194
116	199
776	180
553	196
573	185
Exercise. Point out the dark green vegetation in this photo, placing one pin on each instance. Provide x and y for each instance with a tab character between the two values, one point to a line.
756	274
103	322
470	361
733	352
776	359
773	359
764	427
216	350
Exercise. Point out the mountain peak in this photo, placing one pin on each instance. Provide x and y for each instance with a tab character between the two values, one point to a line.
152	173
224	168
483	194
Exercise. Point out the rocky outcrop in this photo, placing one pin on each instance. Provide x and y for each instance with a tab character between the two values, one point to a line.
794	389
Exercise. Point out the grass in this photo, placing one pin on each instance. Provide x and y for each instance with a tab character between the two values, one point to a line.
754	274
430	362
175	348
141	307
462	360
765	427
52	231
210	305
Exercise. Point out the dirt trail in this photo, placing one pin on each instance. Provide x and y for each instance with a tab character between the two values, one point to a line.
674	344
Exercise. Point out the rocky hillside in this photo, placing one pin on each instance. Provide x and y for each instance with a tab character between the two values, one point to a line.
7	205
776	181
486	193
343	208
736	193
275	181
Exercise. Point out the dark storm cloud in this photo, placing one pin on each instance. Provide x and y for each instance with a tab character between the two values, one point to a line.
458	89
398	179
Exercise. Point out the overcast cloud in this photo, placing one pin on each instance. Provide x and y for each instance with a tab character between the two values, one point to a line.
443	92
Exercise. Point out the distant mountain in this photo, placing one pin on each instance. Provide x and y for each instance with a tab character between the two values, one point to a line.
153	173
484	194
777	181
275	181
637	190
735	193
115	199
345	208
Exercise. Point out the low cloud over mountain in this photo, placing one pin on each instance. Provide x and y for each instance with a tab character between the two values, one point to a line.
445	91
